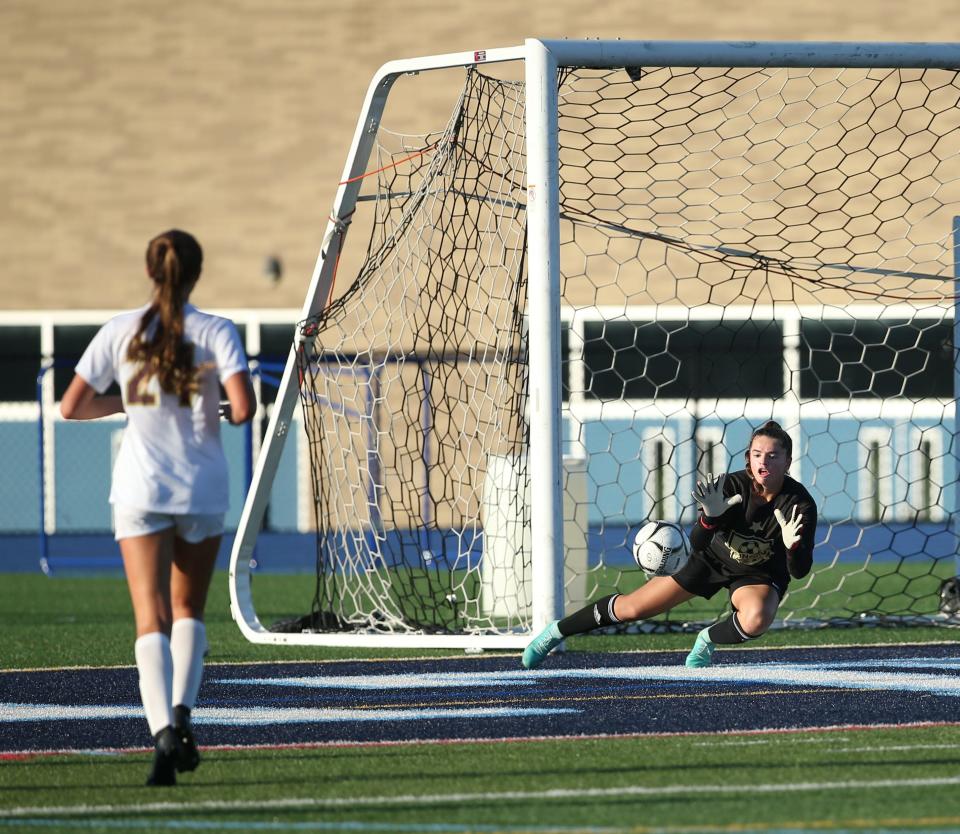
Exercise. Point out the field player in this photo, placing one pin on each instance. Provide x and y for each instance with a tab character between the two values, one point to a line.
169	489
755	530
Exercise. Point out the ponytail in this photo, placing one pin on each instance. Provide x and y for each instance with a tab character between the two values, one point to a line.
174	261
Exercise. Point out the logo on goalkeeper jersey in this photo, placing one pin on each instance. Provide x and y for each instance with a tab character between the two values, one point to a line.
749	550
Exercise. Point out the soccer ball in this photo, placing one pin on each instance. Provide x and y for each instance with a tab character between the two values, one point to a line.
661	548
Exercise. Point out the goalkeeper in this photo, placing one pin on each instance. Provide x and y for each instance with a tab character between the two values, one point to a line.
755	531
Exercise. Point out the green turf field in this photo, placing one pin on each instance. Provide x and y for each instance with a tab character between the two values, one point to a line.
56	622
873	781
877	780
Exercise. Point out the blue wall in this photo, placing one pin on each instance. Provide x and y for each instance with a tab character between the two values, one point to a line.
82	472
19	477
830	465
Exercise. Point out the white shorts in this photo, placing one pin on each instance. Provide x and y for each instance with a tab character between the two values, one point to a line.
191	527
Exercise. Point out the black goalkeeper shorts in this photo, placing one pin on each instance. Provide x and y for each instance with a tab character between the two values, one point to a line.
704	575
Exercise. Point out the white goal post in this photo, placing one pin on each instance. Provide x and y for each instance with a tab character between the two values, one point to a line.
703	255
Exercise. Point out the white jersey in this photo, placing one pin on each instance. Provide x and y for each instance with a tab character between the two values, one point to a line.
171	459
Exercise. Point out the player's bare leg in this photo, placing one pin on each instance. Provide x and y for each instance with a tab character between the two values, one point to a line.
756	607
147	562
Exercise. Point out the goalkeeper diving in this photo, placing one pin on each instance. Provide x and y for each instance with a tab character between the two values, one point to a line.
755	531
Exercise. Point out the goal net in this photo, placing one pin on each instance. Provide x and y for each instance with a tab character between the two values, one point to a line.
583	289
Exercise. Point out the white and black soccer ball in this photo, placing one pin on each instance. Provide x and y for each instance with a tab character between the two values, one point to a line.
661	548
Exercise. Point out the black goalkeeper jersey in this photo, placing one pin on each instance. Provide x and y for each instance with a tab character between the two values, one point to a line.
747	538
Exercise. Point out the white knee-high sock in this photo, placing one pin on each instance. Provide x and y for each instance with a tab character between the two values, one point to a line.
155	665
188	642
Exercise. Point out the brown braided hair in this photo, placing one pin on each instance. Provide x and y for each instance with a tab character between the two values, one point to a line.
174	261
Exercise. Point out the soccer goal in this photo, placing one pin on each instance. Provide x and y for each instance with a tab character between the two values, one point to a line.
583	272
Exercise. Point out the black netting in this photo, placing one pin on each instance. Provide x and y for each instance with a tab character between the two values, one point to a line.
416	376
746	244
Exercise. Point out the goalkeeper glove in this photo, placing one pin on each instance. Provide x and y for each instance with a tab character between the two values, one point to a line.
709	495
790	529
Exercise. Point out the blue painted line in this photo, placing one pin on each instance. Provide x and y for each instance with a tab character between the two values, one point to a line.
428	680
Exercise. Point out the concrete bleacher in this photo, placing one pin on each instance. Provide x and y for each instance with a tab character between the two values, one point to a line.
234	119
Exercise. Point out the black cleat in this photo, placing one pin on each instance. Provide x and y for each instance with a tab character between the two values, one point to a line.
165	756
189	756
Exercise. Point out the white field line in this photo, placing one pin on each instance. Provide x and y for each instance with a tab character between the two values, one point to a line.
883	676
832	740
866	748
350	803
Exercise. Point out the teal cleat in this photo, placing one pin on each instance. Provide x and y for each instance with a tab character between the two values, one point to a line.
541	645
702	652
